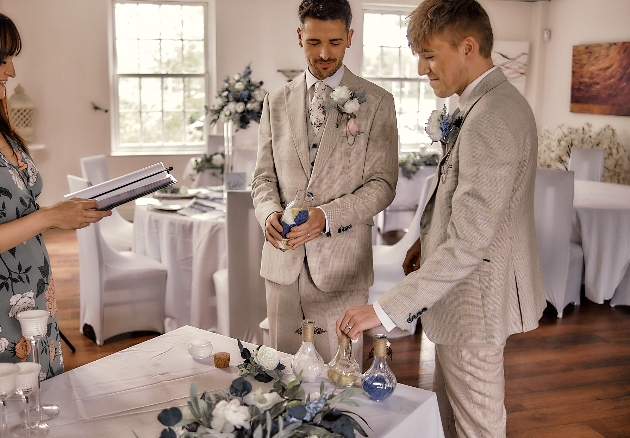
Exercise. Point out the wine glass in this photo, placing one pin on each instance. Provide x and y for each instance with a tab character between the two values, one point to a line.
26	383
8	376
34	326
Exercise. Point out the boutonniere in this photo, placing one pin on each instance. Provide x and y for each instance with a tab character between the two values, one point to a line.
438	126
347	103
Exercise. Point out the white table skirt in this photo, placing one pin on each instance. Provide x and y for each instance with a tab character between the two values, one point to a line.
124	392
601	224
192	249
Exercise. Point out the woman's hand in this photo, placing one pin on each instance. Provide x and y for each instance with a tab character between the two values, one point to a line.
74	213
412	259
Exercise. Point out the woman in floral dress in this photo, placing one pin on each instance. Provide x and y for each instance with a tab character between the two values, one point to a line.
25	279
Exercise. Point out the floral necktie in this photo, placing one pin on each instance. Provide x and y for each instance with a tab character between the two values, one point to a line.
317	112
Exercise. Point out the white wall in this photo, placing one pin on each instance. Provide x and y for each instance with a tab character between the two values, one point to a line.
64	65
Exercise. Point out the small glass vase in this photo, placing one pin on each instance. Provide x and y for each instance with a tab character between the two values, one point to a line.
343	369
295	213
379	381
307	363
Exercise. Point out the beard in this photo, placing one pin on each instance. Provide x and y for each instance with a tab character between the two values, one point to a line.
322	74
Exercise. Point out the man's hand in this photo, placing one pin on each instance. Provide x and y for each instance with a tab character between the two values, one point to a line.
273	228
356	320
309	230
412	259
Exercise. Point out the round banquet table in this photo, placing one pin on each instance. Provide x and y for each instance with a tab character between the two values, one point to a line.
601	224
192	248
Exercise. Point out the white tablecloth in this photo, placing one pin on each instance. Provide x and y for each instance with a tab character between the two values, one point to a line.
124	392
192	248
601	224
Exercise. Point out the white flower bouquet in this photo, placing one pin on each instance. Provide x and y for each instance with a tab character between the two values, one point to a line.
554	150
240	100
214	162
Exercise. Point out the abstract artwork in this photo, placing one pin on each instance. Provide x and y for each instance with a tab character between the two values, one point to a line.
512	57
600	81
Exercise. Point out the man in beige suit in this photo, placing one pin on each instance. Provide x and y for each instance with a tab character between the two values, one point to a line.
474	273
346	158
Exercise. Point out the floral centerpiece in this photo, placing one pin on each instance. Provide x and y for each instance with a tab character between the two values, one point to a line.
264	364
410	163
240	100
214	163
554	150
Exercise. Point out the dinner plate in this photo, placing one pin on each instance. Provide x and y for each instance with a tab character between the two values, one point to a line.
170	206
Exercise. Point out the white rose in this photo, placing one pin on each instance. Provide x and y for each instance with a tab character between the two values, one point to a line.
262	401
239	86
231	107
259	94
253	106
240	107
351	106
218	102
340	94
227	415
267	357
433	128
237	77
217	160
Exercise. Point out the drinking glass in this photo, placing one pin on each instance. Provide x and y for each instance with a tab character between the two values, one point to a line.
8	377
34	326
295	213
25	383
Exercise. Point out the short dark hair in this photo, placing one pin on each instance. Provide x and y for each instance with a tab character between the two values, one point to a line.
326	10
452	19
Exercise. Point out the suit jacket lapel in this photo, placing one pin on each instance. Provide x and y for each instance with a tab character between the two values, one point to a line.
295	98
331	130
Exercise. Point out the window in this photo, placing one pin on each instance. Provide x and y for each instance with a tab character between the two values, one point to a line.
161	77
389	63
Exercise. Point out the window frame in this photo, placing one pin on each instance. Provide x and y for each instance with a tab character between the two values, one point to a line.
377	8
117	149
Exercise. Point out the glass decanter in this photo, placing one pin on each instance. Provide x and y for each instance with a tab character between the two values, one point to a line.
295	213
307	362
8	378
343	370
379	380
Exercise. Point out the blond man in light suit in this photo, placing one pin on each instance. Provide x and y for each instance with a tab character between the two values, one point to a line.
474	272
351	174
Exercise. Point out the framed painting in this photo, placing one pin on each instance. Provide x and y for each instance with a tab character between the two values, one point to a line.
512	57
600	80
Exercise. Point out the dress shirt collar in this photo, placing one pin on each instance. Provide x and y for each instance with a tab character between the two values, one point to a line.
468	90
332	81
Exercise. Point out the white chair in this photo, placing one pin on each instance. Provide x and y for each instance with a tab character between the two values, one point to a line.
561	260
120	291
587	164
388	259
241	297
117	231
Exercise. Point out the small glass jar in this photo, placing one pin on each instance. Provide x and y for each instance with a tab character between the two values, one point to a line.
307	362
200	348
343	369
379	381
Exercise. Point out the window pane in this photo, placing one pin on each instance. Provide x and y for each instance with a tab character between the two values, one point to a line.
171	22
126	18
152	127
372	29
127	56
409	63
151	94
195	96
371	61
128	94
149	20
390	63
173	94
390	30
149	56
172	56
194	126
193	56
193	20
129	127
173	127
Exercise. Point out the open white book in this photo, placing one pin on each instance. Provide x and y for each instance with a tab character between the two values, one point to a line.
117	191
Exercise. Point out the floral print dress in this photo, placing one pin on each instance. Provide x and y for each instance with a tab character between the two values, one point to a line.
25	279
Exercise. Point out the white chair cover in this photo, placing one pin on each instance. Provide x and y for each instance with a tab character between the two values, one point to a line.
561	261
241	296
117	231
388	259
587	163
120	291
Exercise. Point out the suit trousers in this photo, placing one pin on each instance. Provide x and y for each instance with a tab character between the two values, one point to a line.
470	386
288	305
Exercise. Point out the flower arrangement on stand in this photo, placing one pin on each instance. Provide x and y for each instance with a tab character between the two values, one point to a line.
213	163
554	150
410	163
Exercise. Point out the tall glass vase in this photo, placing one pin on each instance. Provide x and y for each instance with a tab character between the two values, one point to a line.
228	145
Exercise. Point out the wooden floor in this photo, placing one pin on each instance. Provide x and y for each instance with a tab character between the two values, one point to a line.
570	378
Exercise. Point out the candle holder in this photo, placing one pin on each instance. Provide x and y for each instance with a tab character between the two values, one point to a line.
34	326
8	378
26	383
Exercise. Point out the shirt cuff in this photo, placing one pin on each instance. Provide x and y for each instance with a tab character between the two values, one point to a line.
387	322
326	229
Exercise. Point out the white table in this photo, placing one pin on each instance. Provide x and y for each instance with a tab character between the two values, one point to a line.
124	392
192	249
601	224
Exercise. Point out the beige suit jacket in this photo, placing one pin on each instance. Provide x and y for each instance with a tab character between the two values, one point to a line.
480	272
350	182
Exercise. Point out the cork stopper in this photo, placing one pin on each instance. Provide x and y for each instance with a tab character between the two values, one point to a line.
345	340
380	345
308	330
